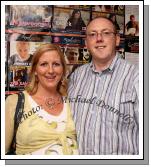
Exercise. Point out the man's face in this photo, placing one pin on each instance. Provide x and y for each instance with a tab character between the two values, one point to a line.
101	40
72	55
23	50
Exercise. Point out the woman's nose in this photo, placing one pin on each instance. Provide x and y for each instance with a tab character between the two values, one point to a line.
51	69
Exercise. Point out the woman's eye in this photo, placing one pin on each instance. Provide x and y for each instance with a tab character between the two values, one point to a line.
56	64
43	64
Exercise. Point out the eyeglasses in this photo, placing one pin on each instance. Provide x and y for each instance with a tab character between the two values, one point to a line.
104	34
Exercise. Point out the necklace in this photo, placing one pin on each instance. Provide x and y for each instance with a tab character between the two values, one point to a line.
51	103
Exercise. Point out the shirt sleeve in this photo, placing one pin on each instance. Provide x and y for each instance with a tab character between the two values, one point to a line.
10	107
135	96
71	84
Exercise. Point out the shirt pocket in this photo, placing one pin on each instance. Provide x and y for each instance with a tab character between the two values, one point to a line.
127	98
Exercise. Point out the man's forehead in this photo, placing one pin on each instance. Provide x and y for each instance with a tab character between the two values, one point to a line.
98	20
106	24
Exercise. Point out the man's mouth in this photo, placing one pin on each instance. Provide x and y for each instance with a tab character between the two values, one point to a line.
100	47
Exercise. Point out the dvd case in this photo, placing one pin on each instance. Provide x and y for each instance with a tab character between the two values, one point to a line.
103	8
121	48
85	7
70	20
30	17
71	55
18	77
98	14
131	20
119	9
132	44
21	52
67	40
76	55
30	37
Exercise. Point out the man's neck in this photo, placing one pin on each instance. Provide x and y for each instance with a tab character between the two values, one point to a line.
101	65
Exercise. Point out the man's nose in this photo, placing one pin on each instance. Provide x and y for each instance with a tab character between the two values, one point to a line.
99	37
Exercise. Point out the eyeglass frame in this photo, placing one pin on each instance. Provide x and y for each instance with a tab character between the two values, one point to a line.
104	34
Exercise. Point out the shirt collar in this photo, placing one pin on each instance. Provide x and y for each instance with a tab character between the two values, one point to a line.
110	68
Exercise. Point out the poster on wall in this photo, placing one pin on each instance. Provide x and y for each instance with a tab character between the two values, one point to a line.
132	20
31	17
70	20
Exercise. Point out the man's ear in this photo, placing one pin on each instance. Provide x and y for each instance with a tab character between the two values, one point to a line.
117	39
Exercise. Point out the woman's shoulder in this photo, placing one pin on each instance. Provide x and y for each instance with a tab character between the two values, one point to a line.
12	98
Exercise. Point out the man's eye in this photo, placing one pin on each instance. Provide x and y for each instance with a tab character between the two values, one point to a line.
106	33
92	34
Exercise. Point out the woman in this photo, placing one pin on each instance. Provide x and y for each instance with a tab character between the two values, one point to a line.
75	22
49	130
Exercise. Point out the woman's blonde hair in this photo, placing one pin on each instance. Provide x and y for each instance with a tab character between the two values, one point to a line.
33	80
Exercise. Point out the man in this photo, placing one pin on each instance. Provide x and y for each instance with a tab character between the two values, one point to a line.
104	96
132	27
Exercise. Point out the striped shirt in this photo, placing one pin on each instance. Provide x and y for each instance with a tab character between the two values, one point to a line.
105	108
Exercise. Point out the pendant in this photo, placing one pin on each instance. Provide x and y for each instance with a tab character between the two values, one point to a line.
50	103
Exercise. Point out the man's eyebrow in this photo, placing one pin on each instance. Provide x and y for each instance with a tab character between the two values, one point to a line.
105	29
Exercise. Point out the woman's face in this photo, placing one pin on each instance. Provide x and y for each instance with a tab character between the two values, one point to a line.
77	15
49	70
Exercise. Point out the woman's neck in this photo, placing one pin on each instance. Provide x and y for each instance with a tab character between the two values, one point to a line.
42	92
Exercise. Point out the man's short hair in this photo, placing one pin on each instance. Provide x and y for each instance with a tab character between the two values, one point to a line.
103	17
